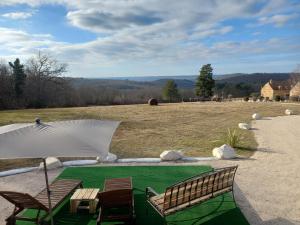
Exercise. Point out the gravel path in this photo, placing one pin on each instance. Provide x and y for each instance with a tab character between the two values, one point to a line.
268	184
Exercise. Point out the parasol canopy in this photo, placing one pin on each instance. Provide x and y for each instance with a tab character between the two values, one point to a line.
74	138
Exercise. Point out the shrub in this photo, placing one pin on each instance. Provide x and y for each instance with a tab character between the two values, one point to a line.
294	98
233	138
277	98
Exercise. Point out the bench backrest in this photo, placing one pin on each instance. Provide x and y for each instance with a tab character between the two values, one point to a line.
199	188
22	200
114	198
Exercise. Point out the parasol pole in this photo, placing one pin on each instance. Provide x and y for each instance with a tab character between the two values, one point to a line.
48	191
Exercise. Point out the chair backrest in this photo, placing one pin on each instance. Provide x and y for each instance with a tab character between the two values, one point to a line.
121	197
200	187
22	200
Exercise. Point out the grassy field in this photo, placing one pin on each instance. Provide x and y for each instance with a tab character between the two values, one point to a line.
145	131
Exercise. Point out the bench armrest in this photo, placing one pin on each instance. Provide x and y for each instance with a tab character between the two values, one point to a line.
150	192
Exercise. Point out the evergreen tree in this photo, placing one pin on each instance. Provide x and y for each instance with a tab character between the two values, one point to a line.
205	82
170	91
19	77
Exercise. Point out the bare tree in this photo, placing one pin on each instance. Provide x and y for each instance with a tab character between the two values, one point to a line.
44	81
295	76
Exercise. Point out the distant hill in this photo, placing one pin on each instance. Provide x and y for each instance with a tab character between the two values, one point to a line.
235	77
253	78
238	84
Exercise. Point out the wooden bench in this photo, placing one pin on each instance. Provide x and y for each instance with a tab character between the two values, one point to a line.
60	190
192	191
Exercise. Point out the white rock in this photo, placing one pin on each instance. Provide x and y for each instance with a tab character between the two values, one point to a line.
224	152
52	163
80	162
244	126
108	158
256	116
171	155
289	112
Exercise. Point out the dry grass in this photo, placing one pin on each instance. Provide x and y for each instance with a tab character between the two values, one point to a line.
146	131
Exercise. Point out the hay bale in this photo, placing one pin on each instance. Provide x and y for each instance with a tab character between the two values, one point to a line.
152	101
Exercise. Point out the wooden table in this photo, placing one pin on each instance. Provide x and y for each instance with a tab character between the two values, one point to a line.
84	195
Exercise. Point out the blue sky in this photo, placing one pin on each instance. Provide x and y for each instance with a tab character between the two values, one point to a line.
154	37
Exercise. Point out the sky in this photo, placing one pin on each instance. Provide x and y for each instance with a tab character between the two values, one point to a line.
106	38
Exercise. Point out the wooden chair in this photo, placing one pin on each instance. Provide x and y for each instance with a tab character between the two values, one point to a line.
117	201
192	191
60	190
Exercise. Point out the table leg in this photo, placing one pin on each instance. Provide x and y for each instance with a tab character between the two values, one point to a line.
74	205
93	206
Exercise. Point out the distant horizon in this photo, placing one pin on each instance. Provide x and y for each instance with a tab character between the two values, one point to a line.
183	75
115	37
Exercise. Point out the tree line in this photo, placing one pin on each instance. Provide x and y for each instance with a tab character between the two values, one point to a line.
35	84
39	82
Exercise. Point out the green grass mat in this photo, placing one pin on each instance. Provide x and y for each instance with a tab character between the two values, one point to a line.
218	211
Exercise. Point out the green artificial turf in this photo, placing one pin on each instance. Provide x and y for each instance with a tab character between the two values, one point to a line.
218	211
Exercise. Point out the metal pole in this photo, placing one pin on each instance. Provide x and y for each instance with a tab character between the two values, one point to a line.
48	191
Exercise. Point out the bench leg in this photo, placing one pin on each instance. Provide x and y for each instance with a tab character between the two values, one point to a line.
234	199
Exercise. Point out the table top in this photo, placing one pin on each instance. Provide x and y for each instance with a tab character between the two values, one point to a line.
117	184
85	194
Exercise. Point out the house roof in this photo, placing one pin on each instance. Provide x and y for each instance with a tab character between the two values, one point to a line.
296	86
280	85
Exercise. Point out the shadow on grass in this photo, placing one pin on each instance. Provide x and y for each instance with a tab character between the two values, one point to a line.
196	220
220	220
246	149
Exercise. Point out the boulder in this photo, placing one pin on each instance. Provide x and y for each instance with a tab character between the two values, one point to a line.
52	163
224	152
256	116
244	126
171	155
289	112
108	158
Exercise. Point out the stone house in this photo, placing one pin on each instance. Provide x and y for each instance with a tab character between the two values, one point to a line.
276	88
295	91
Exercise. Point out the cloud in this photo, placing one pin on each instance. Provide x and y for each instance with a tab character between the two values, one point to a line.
20	42
17	15
278	20
157	32
98	21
